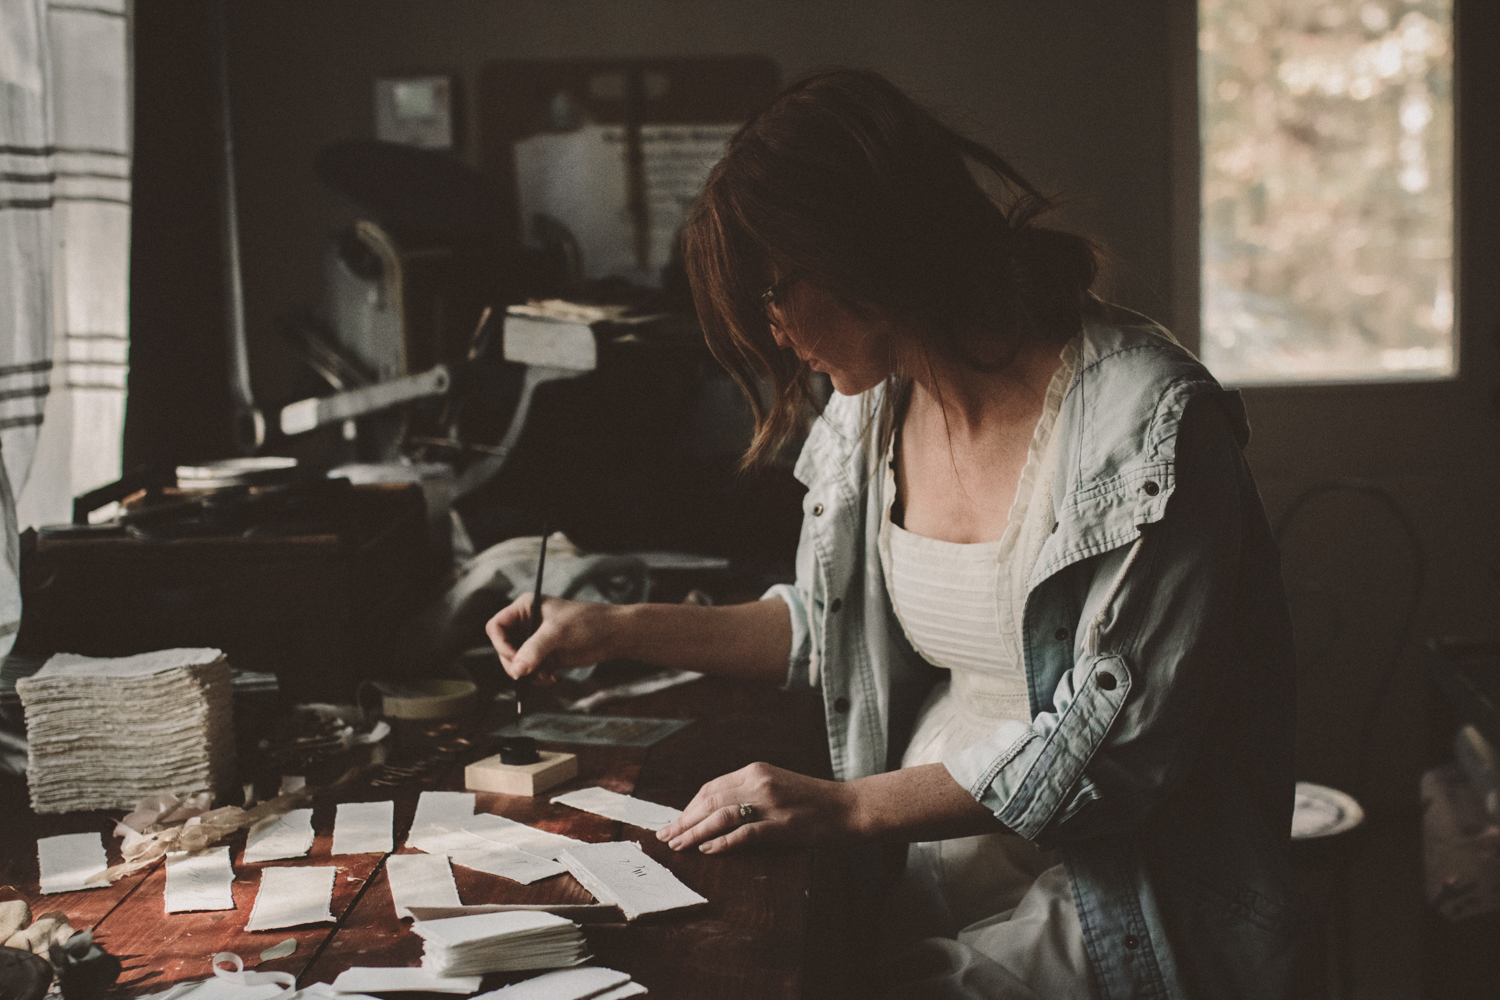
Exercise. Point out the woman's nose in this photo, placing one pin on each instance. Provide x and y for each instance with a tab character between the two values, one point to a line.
779	335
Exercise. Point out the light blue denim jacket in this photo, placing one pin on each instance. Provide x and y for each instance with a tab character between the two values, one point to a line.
1158	659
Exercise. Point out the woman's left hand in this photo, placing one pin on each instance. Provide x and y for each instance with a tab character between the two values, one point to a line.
784	807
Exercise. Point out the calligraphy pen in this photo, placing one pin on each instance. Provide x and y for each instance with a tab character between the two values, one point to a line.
533	622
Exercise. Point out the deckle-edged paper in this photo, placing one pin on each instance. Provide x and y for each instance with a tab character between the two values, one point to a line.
227	988
68	861
363	827
289	835
199	881
565	984
625	808
507	862
401	980
521	836
289	897
106	731
442	808
622	874
485	831
444	840
420	880
438	814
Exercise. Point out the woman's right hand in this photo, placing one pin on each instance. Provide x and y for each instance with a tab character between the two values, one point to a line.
573	634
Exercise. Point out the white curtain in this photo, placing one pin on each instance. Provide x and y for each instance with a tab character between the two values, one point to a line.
65	89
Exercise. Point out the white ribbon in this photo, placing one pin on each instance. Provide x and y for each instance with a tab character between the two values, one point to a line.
240	977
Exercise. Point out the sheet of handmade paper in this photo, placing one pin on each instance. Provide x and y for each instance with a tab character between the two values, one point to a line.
621	873
289	897
222	988
563	984
507	862
420	880
275	837
199	881
509	833
66	862
625	808
363	827
631	989
401	980
443	808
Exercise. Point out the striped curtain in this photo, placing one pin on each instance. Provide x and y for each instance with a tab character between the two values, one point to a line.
65	88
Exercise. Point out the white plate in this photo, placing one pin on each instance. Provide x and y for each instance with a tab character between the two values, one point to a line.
1320	811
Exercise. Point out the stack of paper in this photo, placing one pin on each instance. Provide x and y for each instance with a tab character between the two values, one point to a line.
622	874
499	942
104	732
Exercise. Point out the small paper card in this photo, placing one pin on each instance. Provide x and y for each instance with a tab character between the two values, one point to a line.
401	980
521	836
442	808
625	808
289	897
199	882
446	840
564	984
275	837
363	827
631	989
420	880
66	862
622	874
507	862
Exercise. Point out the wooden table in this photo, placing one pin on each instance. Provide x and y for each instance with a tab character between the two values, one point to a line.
753	939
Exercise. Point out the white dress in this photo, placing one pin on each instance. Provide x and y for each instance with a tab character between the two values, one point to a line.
960	606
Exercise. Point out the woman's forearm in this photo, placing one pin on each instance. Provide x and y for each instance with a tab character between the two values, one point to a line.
916	803
751	640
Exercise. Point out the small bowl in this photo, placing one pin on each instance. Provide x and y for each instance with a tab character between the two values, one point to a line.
433	700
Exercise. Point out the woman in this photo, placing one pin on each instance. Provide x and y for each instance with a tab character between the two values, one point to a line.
1034	583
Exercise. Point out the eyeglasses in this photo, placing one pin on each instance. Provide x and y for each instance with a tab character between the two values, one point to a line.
773	296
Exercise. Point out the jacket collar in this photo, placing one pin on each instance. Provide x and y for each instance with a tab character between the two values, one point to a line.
1117	440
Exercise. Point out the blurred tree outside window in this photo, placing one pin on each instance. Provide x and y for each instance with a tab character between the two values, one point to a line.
1327	141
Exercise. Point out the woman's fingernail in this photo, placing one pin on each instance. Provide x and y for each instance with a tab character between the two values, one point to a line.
707	848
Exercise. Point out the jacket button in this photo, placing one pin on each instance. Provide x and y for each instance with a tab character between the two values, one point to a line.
1061	634
1132	942
1054	527
1151	488
817	510
1105	680
835	605
841	705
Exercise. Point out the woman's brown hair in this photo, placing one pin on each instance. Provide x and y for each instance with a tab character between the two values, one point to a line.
845	182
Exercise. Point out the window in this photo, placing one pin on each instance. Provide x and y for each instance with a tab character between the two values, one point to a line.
1327	192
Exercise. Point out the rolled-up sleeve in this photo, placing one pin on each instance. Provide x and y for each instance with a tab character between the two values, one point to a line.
799	670
1126	718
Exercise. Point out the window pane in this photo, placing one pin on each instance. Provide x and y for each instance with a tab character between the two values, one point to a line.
1327	130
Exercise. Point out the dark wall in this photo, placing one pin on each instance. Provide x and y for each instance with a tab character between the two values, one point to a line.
1075	93
178	407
